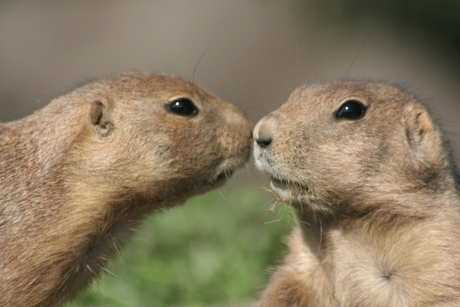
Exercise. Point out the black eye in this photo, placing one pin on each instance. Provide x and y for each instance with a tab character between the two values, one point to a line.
182	106
351	109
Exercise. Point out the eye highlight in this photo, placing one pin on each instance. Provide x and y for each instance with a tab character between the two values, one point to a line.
351	110
182	106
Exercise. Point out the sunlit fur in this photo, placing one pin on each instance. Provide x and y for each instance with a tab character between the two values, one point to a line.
77	176
376	197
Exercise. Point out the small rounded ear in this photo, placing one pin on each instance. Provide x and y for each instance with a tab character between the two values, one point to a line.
417	123
100	117
421	132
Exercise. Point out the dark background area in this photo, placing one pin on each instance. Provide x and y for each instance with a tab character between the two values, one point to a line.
254	52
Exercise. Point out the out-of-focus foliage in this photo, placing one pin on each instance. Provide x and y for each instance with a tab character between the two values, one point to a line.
214	251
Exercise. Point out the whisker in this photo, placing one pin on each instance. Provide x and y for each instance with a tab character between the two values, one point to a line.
354	60
197	63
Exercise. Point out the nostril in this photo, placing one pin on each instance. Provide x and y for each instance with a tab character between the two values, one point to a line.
263	133
264	142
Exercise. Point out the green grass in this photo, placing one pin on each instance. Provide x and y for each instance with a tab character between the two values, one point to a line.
213	251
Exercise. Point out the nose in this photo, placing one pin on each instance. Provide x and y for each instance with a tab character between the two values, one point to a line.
263	142
262	133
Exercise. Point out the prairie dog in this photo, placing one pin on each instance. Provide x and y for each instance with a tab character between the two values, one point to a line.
378	210
78	175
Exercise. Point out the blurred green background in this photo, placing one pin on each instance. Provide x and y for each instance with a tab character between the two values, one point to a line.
214	251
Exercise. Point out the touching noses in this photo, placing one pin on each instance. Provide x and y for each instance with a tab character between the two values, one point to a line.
262	133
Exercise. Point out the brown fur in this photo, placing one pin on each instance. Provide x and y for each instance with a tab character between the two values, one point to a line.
78	175
379	221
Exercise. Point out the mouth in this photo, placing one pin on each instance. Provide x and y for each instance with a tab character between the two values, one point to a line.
215	182
221	178
289	189
298	194
280	183
222	174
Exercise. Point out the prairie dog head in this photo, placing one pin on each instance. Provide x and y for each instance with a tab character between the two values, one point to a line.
81	173
155	136
331	143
